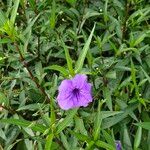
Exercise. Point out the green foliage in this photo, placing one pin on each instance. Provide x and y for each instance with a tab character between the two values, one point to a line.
43	42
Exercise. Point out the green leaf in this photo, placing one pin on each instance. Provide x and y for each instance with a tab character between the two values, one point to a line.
106	11
145	125
97	123
106	114
107	96
8	28
139	39
123	50
35	95
80	61
24	123
3	99
80	136
71	1
123	105
108	122
3	18
53	15
49	140
31	107
29	27
110	140
14	11
5	40
80	125
118	4
138	137
146	75
68	58
111	75
126	138
39	72
57	68
52	116
104	145
63	124
32	4
64	141
133	77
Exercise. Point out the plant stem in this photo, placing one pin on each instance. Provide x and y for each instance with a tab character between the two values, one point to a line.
9	109
22	59
124	28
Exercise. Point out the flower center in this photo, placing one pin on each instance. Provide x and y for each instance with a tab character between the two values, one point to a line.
76	92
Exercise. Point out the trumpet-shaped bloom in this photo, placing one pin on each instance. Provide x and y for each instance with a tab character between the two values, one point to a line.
118	145
74	93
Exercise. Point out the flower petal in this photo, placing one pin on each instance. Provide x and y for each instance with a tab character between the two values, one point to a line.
81	100
86	92
86	88
65	86
79	80
65	103
86	98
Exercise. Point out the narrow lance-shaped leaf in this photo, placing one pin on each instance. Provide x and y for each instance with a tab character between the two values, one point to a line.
52	116
138	137
145	125
105	11
146	75
71	1
24	123
80	61
104	145
126	137
58	68
53	15
14	11
109	138
49	140
139	39
80	125
3	99
97	123
108	122
107	96
68	58
29	27
64	141
62	125
3	18
32	4
133	76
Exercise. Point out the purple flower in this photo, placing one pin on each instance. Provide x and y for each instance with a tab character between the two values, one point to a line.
118	145
74	93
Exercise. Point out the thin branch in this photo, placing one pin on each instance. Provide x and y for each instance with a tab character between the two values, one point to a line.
10	110
22	59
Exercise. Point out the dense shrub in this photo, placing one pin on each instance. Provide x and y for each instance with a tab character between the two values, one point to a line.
44	42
